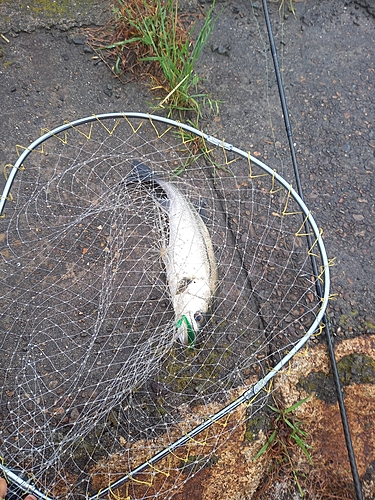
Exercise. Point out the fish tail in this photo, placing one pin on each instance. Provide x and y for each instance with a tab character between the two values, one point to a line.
141	173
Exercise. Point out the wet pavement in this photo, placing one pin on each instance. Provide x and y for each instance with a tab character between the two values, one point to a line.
49	74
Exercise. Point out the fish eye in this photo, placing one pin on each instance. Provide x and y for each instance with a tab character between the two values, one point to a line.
200	318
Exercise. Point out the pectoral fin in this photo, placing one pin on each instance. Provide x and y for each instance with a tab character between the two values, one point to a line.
183	284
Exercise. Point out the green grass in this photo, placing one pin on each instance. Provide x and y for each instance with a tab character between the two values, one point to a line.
151	39
287	434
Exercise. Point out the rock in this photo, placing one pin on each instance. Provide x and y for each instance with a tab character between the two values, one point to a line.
74	415
79	40
358	217
223	50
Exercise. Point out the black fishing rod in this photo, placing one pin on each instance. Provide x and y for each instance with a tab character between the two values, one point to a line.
288	128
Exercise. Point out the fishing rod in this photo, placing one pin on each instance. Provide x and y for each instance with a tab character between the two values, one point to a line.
288	128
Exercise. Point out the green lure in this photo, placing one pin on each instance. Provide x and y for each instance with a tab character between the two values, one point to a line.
191	333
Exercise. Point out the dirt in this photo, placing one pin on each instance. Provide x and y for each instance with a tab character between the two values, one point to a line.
49	74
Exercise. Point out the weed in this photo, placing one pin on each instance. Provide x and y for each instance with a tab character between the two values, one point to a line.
150	39
285	436
291	6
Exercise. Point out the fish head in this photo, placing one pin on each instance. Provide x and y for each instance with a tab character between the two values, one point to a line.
189	325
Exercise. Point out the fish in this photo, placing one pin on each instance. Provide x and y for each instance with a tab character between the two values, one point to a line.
187	254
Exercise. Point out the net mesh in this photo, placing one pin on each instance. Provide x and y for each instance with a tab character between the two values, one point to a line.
94	381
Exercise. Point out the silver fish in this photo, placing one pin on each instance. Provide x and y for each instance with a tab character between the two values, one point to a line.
188	255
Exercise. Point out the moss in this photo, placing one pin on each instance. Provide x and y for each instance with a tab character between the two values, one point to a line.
176	375
52	7
356	369
181	372
160	407
354	321
369	325
254	425
321	384
48	7
353	369
194	463
211	367
113	417
82	451
345	319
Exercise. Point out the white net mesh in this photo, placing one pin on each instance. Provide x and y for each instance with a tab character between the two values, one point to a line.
94	380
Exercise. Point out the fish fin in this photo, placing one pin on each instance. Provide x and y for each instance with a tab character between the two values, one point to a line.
183	284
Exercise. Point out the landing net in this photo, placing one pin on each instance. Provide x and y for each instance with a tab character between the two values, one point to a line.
95	388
